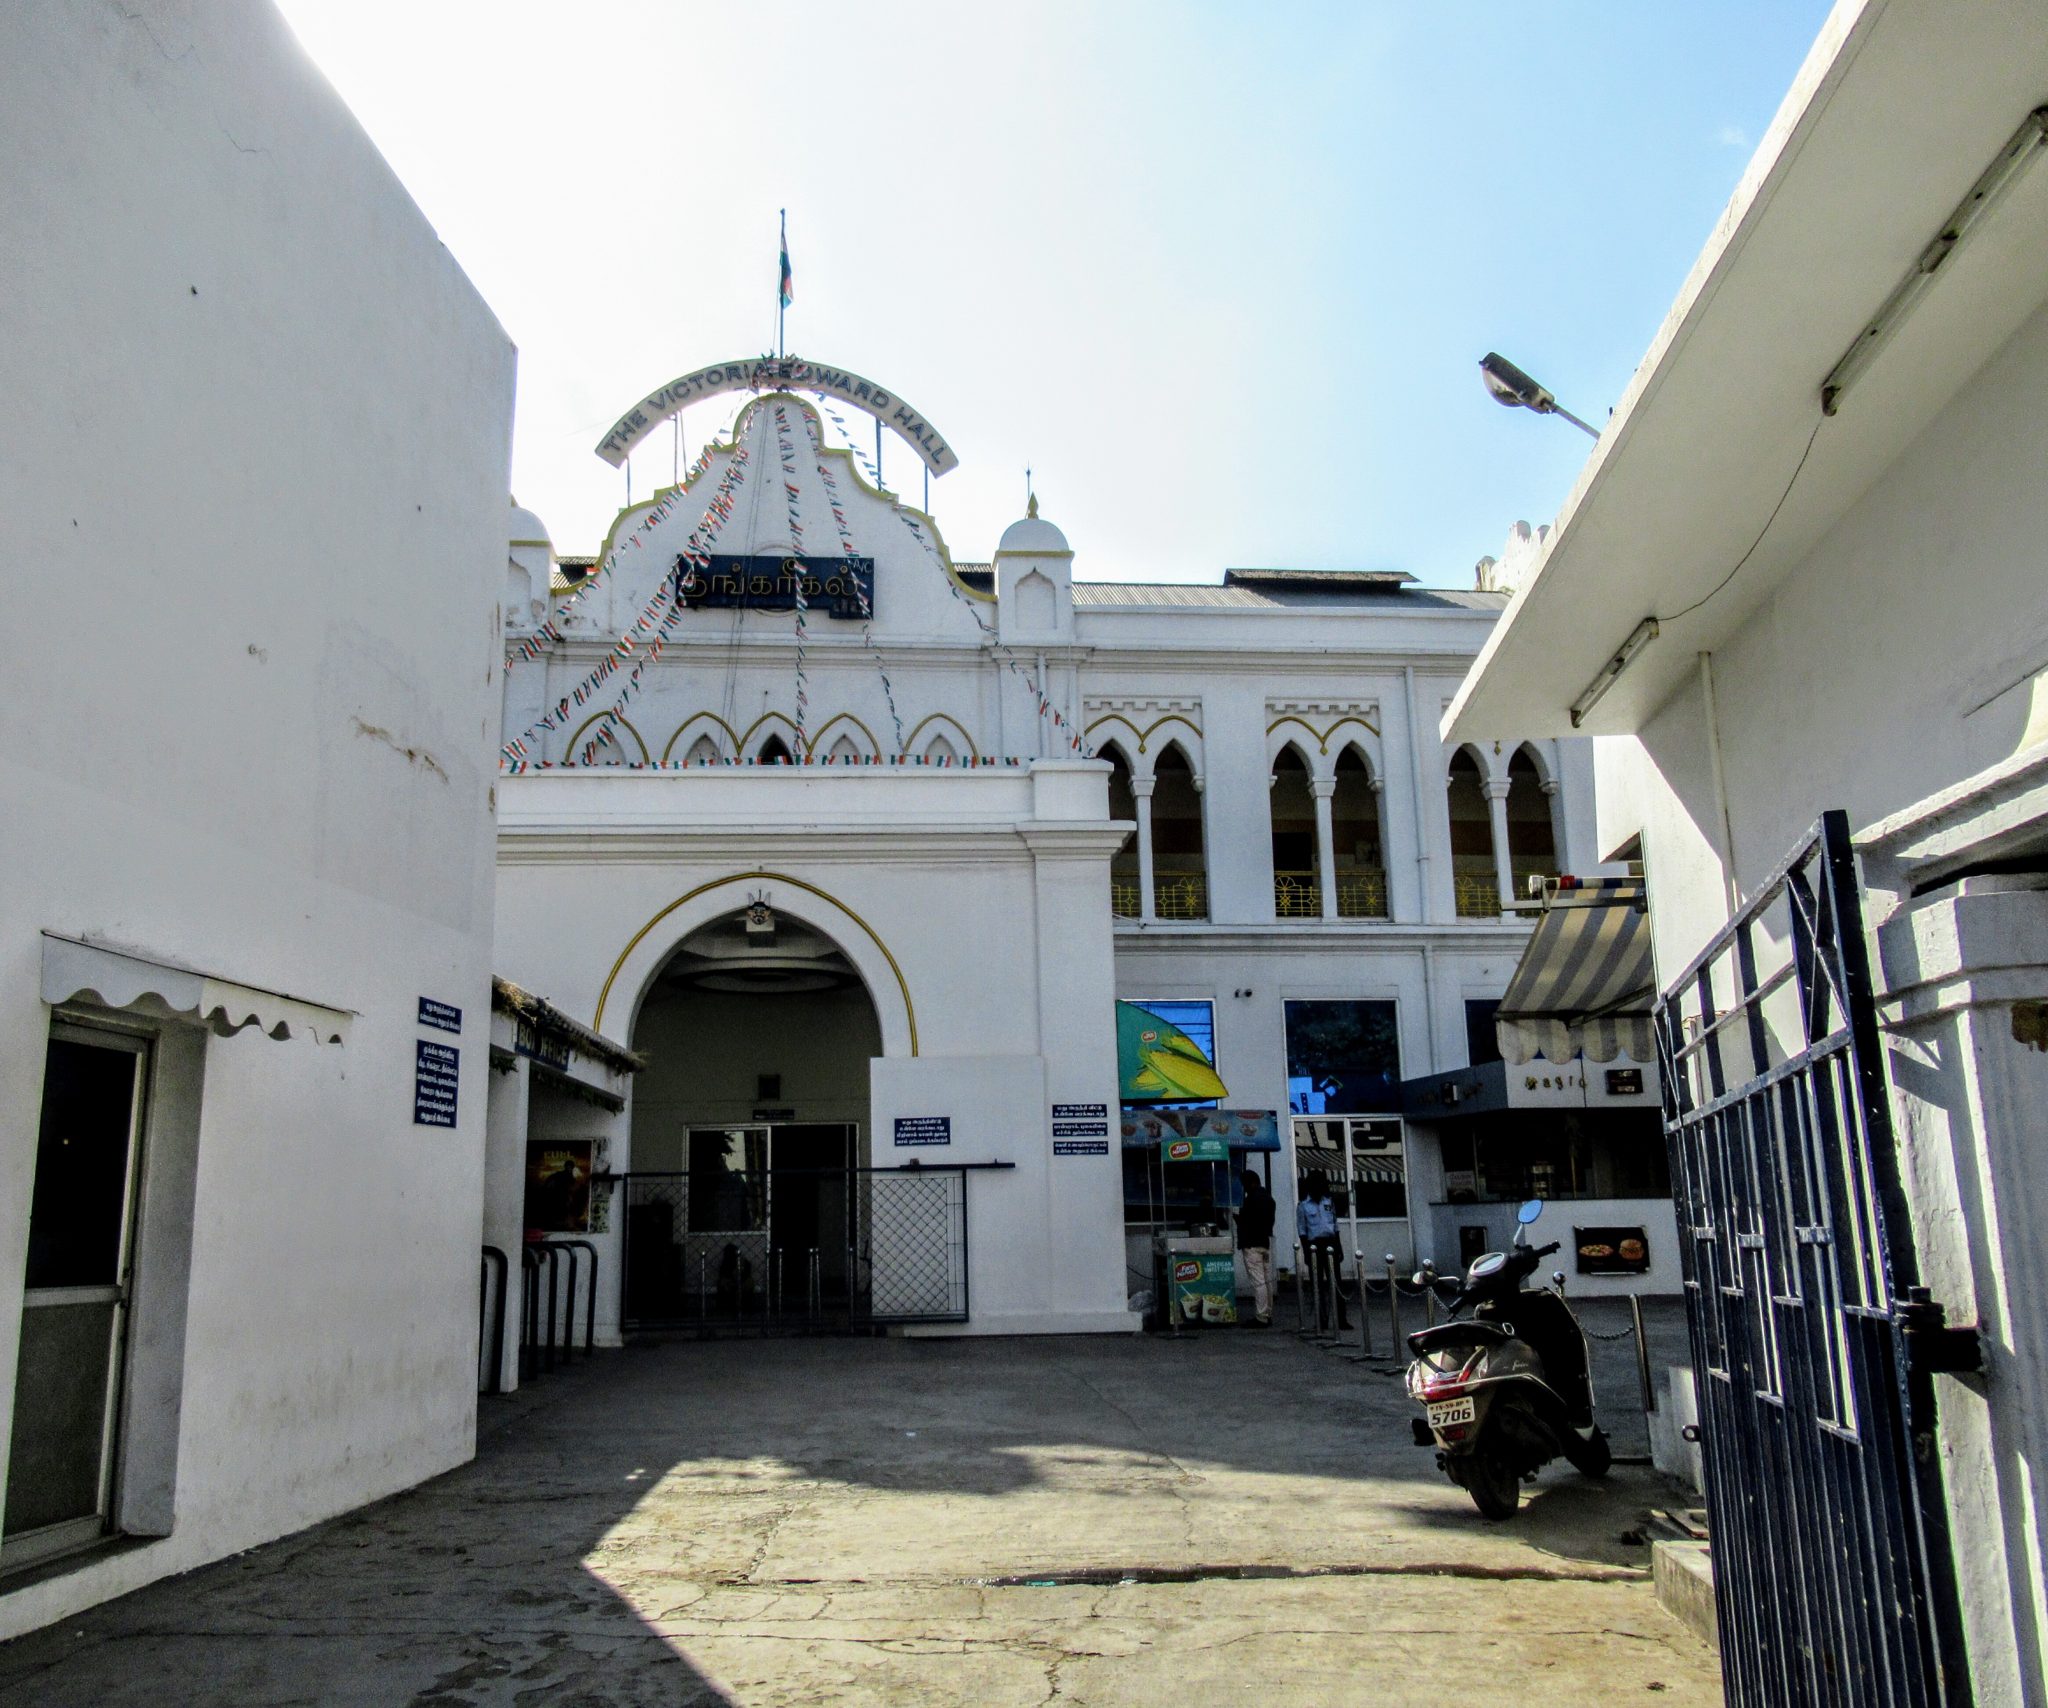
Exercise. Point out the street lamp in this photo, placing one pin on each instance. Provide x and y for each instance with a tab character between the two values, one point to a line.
1513	389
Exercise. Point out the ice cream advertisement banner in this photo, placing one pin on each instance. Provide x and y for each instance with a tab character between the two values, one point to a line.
1203	1287
1199	1135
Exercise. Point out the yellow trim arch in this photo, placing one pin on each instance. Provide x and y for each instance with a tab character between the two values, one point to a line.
576	740
695	717
874	936
910	740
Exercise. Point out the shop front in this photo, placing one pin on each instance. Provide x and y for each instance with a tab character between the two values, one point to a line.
1567	1112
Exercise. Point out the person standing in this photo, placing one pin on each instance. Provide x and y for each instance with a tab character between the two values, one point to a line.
1315	1219
1255	1242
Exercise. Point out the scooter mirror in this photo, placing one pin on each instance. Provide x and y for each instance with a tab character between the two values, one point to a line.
1529	1211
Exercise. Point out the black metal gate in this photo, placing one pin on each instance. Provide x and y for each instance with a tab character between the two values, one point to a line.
760	1250
1814	1348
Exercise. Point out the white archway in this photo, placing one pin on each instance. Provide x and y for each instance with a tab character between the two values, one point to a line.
643	957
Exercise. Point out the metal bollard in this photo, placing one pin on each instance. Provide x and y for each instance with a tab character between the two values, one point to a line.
1364	1310
813	1302
1635	1311
1300	1294
1333	1279
703	1304
1315	1294
1393	1306
1428	1294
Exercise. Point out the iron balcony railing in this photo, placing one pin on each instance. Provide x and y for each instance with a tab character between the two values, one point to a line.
1180	895
1297	895
1477	888
1361	892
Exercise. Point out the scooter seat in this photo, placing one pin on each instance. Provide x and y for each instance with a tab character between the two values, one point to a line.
1447	1336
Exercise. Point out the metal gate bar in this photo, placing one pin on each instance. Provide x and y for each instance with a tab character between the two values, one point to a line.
1814	1346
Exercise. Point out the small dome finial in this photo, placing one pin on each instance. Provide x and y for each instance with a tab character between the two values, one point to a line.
1031	505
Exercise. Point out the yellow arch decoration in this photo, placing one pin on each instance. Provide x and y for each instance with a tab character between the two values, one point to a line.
1290	718
576	740
711	717
910	740
1322	735
874	936
781	718
818	740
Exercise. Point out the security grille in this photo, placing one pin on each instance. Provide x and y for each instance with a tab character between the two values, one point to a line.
1815	1350
784	1250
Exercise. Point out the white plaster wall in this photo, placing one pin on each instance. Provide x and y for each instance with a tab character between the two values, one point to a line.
254	477
1896	659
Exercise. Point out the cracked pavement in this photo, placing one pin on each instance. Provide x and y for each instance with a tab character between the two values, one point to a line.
1234	1517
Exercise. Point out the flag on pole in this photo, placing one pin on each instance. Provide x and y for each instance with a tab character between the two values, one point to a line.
784	292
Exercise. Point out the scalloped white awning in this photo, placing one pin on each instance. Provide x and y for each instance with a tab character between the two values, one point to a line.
77	971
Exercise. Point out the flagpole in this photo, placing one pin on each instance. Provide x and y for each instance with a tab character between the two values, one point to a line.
779	306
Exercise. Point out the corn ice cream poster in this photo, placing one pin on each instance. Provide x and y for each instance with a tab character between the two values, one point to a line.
1157	1062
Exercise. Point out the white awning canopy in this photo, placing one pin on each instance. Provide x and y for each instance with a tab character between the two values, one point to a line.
1585	984
77	971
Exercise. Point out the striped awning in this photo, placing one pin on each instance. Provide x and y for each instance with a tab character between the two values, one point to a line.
1585	984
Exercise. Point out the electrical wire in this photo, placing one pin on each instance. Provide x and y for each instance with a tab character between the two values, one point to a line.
1761	532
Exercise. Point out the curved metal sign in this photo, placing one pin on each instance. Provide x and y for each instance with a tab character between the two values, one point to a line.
770	373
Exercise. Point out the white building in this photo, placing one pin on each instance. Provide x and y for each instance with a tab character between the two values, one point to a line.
1008	797
1825	486
253	471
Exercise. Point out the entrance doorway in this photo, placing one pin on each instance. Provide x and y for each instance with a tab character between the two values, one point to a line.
1364	1158
750	1202
61	1467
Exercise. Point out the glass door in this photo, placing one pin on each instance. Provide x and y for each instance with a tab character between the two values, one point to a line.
67	1380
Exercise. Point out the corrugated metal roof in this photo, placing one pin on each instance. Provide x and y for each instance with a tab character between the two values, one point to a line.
1156	595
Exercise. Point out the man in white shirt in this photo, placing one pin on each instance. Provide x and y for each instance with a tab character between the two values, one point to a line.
1315	1219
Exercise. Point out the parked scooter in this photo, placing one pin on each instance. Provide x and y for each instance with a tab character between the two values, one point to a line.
1510	1387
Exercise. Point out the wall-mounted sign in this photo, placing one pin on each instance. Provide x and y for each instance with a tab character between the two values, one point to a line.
1081	1121
836	586
1624	1082
1612	1251
443	1015
769	373
436	1076
1079	1147
924	1129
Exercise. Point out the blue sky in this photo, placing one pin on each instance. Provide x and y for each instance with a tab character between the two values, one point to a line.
1219	274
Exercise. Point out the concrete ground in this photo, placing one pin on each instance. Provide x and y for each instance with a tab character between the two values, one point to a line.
1232	1517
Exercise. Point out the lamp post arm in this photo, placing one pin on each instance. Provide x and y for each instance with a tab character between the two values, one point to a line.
1559	409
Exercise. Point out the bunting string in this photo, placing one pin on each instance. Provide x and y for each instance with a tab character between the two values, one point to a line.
1004	655
785	450
656	619
847	551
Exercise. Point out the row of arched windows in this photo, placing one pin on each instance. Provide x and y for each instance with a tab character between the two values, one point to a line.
1329	835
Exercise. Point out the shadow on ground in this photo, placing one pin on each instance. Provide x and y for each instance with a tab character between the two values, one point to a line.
818	1504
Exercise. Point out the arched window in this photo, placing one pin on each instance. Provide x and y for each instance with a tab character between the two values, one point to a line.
940	751
1123	864
1180	874
774	751
1355	832
1472	867
703	751
844	752
1532	836
1297	884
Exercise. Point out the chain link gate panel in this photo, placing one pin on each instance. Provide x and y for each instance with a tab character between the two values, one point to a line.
1813	1348
792	1251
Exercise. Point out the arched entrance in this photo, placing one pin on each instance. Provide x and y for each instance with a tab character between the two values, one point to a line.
747	1198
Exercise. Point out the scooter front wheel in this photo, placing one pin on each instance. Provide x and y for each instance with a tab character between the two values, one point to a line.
1491	1482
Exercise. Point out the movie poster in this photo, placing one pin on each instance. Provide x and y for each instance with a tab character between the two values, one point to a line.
558	1186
